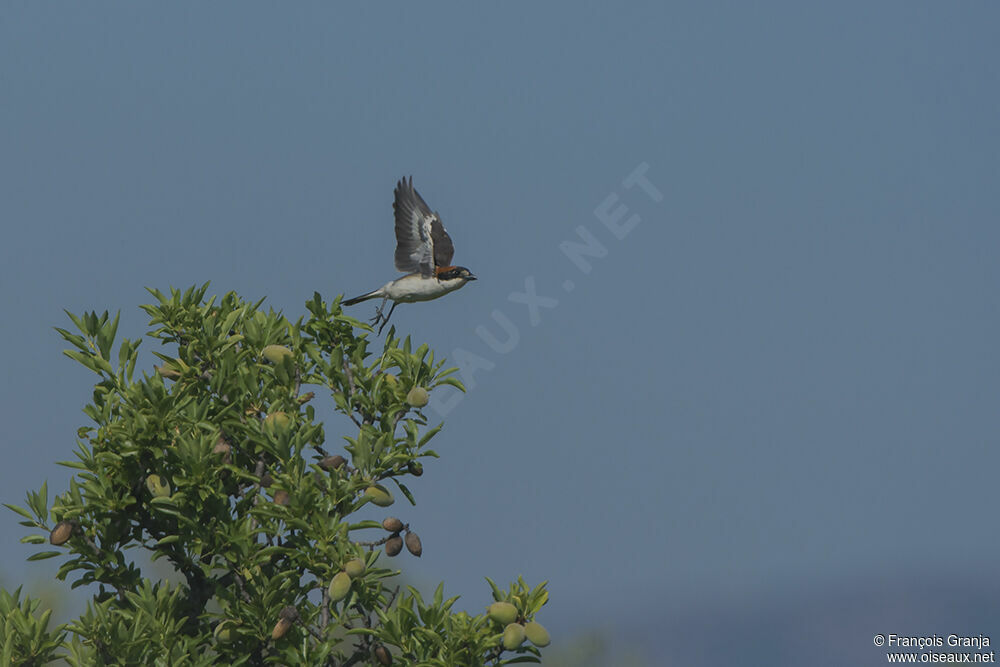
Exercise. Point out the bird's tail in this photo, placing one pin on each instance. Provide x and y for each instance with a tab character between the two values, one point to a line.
364	297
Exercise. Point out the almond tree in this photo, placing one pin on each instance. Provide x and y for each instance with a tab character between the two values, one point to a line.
215	463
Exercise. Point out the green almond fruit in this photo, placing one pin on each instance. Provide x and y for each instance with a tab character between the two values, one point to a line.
275	353
354	568
513	636
503	613
340	586
391	380
418	397
158	487
225	632
277	420
537	634
379	495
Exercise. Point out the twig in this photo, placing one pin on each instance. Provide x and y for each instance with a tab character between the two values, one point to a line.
314	632
351	389
395	421
360	653
242	587
393	598
378	543
350	376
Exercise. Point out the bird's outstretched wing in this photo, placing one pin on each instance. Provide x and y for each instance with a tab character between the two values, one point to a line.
422	244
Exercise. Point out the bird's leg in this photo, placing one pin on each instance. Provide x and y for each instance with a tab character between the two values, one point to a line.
386	320
378	312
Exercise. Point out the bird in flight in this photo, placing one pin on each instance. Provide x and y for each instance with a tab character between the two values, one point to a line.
423	250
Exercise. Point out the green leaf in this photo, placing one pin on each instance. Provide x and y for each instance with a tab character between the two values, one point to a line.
454	382
230	320
406	492
361	631
76	321
497	593
20	510
78	341
362	525
430	434
106	337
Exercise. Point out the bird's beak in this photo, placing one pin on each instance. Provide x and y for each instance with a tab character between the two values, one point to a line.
471	277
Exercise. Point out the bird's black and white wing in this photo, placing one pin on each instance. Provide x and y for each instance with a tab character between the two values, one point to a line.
422	244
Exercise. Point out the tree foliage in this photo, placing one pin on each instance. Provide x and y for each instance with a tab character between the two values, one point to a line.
216	463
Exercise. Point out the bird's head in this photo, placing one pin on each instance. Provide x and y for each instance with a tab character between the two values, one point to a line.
456	272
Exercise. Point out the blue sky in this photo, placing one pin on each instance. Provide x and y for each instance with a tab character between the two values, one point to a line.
783	377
